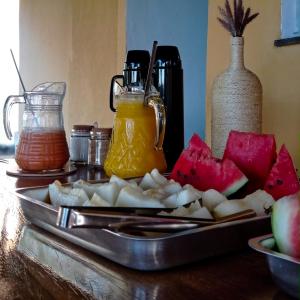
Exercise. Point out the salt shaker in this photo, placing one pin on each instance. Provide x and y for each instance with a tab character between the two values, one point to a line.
98	146
79	142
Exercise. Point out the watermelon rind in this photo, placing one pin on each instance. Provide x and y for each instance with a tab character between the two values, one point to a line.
235	186
284	213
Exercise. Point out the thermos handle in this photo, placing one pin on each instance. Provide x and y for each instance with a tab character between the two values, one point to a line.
111	96
160	119
10	101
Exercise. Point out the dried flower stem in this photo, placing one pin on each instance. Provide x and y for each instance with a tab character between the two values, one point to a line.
235	21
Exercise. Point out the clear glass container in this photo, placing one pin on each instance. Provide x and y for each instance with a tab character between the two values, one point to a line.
42	145
137	138
98	146
79	143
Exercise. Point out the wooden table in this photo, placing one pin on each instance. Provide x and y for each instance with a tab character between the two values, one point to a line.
39	265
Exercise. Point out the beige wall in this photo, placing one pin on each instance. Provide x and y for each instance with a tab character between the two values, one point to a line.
277	68
81	42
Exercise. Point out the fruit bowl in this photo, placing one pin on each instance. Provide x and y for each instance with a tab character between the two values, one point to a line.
285	269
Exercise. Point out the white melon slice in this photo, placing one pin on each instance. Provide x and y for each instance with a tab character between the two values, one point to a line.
99	201
181	198
155	193
179	212
132	197
66	189
229	207
194	190
121	182
171	188
171	201
194	206
211	198
109	192
58	197
259	201
132	182
158	178
79	193
148	182
187	196
202	213
89	188
87	203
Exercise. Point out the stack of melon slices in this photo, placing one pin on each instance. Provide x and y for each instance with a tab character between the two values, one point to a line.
156	191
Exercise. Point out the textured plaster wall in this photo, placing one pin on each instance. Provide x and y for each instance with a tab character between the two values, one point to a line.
81	42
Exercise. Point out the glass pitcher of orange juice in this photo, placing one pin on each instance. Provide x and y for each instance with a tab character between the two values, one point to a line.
138	133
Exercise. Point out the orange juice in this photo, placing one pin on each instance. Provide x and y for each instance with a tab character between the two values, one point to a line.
132	152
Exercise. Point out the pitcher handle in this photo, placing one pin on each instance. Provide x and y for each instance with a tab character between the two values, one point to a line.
160	119
111	96
10	101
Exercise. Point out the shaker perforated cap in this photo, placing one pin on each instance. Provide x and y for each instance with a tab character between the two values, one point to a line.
101	133
83	128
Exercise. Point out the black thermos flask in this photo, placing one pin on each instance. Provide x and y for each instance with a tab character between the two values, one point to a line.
168	80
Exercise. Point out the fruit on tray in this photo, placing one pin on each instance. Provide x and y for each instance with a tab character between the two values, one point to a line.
286	225
229	207
60	195
154	190
282	179
254	154
185	200
259	201
198	167
131	197
211	198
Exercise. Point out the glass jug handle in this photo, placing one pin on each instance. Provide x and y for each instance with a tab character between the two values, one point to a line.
10	101
160	119
111	95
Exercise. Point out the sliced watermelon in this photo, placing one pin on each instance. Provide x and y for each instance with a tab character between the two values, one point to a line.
282	180
197	144
253	153
194	150
196	166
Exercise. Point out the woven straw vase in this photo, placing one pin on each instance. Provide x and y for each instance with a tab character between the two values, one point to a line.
236	100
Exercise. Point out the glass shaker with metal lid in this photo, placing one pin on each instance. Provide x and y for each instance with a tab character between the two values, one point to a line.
79	143
98	146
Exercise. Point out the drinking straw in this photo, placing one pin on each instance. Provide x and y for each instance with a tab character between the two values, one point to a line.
24	89
22	83
150	70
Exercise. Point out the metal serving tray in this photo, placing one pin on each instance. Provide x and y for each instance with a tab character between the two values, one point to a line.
285	269
145	251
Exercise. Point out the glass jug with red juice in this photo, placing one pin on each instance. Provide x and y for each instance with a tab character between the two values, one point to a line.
42	145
